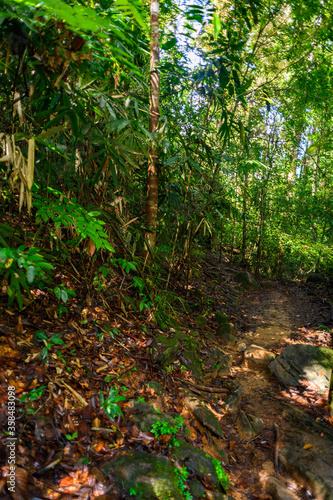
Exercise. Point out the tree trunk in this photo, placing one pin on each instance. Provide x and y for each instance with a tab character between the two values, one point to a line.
244	242
154	110
330	397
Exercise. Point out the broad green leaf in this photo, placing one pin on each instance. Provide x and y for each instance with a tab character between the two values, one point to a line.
31	273
217	25
63	295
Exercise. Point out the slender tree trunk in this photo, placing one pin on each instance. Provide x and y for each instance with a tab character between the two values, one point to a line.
330	396
244	242
154	111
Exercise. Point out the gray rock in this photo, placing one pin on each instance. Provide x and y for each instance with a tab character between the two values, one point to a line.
248	426
278	491
246	280
151	476
257	357
304	362
233	401
204	415
313	466
197	489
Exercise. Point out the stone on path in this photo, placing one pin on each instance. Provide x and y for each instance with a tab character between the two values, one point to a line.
307	453
204	415
233	401
278	491
248	426
256	356
304	362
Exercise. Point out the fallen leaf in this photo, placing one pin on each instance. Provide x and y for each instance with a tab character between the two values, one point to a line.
307	446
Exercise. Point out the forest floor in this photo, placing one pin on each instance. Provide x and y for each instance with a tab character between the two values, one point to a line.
64	437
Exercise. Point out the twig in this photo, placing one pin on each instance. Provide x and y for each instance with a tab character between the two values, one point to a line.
276	451
204	388
73	391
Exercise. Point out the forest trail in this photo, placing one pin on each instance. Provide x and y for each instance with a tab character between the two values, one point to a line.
292	416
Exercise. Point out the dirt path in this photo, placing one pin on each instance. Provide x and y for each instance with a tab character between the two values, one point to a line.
273	319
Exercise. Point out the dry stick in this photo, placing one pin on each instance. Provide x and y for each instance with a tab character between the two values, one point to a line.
276	451
203	388
73	391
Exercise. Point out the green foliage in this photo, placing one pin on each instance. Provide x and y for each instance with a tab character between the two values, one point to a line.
49	342
65	212
63	295
33	395
20	268
109	404
163	428
221	474
182	475
71	437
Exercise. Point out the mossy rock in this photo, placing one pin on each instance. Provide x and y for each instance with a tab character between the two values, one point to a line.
166	357
224	329
246	280
197	489
197	461
204	415
145	416
151	476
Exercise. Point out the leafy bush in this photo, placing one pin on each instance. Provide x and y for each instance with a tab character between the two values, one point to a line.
19	268
65	212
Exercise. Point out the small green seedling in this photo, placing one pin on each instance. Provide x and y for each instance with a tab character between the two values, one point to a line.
49	342
71	437
34	394
109	404
84	460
